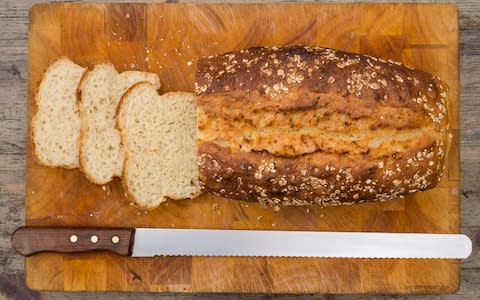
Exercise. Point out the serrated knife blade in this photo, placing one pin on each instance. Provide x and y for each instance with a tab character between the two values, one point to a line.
199	242
147	242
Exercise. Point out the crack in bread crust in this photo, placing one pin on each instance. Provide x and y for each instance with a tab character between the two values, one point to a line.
283	136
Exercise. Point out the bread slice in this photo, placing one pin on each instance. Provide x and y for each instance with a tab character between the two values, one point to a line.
56	125
159	137
101	152
180	171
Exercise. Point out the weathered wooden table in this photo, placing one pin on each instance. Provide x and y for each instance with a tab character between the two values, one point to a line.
13	46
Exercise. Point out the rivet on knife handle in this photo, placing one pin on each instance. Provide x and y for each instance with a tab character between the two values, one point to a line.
27	241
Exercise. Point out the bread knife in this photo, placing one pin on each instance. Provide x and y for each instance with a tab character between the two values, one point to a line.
148	242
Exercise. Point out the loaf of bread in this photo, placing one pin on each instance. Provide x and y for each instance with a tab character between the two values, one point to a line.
301	125
99	92
158	133
56	124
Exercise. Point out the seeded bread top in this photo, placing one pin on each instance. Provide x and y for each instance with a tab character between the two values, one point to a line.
278	72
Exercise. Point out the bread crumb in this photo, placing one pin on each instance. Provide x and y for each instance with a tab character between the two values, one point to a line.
215	206
127	16
454	191
189	63
259	218
308	210
276	208
273	225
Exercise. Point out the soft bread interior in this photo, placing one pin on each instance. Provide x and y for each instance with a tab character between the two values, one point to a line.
101	152
56	125
158	133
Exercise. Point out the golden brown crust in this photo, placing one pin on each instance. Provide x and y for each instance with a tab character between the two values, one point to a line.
300	125
81	163
81	83
280	76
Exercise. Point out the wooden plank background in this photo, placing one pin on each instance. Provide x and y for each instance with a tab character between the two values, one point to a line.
13	144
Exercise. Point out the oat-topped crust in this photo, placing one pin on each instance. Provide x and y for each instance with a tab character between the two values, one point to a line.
318	178
304	125
279	73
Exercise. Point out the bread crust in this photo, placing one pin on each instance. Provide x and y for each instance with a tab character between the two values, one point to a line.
279	75
237	90
318	178
81	163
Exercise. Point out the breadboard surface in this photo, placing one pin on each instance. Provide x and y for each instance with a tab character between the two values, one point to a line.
167	39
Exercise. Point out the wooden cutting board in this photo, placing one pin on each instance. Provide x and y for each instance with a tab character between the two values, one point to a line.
167	39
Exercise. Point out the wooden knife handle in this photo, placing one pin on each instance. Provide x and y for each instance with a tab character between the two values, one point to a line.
27	240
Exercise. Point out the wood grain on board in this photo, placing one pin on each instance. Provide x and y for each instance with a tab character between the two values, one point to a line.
167	39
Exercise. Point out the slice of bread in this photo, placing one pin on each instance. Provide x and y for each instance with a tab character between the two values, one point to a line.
56	125
180	171
159	137
101	152
138	119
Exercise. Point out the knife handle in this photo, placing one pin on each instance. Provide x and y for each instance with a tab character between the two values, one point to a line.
27	240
